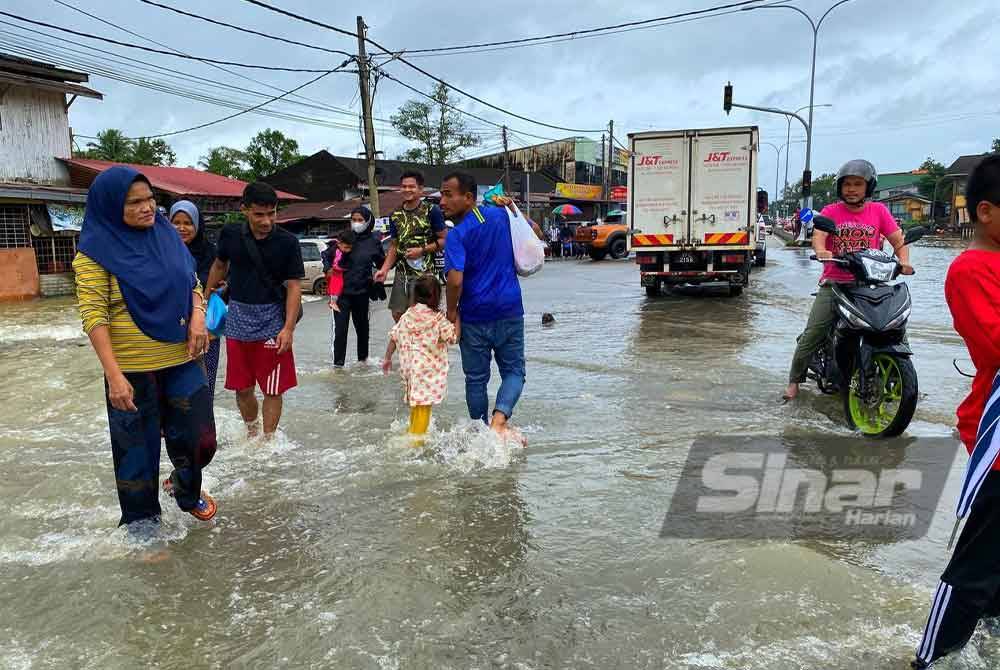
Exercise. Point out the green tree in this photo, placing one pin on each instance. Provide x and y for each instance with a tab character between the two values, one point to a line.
268	152
996	145
225	161
436	127
824	191
928	181
152	152
111	145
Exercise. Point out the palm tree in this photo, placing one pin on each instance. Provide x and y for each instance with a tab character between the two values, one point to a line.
111	145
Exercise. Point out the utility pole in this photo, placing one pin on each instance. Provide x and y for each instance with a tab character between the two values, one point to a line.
604	172
609	168
506	161
366	111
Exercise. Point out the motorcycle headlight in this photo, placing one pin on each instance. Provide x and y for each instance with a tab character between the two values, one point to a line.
852	318
878	270
899	320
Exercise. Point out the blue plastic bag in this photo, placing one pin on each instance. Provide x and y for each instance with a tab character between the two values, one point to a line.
215	316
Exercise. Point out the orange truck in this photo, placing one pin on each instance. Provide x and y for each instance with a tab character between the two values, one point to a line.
603	239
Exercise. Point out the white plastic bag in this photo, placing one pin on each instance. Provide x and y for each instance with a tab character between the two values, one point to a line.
529	251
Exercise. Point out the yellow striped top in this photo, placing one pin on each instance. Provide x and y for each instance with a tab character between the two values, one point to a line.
101	304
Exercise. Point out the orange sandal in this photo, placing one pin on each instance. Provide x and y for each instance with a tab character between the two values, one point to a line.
205	509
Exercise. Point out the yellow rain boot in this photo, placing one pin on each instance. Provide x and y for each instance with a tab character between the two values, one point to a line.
420	420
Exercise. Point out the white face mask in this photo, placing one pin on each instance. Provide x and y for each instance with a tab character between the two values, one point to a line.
359	228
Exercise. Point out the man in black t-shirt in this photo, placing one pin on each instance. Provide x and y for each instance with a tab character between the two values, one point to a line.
264	263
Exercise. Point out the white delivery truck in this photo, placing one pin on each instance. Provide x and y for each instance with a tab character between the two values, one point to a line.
692	206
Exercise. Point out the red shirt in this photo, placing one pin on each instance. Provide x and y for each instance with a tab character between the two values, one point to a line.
972	290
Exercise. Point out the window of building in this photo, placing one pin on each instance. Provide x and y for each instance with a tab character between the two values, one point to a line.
54	254
14	227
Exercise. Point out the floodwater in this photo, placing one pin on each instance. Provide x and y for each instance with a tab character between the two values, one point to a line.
339	546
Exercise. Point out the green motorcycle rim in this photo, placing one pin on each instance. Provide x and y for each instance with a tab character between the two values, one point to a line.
889	378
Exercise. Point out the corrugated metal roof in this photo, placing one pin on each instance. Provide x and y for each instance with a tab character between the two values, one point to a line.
179	181
964	164
337	210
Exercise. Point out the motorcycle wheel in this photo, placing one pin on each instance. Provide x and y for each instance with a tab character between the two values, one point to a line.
896	380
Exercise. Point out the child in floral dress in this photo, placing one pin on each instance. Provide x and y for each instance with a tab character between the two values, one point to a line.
422	336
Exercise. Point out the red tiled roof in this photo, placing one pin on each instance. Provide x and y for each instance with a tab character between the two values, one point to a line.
179	181
336	210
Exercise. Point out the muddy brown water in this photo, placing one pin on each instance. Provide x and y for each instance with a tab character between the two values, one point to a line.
337	546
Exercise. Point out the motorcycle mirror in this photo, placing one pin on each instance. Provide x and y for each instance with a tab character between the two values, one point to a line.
824	224
914	234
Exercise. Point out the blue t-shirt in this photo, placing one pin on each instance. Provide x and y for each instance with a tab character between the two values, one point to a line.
480	247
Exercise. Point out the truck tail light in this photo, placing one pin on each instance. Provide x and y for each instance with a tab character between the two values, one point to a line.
732	259
643	259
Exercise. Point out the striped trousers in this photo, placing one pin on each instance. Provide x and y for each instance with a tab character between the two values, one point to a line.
969	589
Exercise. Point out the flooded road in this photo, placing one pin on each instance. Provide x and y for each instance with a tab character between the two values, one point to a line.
337	546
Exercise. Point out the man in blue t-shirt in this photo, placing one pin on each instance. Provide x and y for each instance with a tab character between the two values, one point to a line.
484	298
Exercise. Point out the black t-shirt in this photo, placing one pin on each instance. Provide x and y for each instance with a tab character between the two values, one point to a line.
281	255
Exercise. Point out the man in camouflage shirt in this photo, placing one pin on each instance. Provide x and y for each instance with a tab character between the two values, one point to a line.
417	233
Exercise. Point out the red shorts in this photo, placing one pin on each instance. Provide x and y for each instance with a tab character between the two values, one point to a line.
248	363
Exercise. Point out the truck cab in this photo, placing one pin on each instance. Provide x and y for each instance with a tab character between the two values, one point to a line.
603	238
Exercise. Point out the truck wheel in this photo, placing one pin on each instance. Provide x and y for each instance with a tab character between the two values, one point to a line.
735	291
619	248
653	291
760	260
598	254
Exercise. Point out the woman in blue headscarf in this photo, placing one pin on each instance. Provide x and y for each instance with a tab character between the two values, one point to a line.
186	219
141	305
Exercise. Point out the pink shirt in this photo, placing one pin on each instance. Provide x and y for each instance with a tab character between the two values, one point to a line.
855	231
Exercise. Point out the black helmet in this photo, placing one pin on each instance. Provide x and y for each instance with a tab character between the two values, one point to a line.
858	167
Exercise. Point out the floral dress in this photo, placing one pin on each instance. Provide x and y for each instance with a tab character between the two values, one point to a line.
422	337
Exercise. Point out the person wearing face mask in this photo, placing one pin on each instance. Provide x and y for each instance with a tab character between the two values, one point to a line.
365	258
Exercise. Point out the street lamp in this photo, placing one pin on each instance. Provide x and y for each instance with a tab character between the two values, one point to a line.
807	174
788	136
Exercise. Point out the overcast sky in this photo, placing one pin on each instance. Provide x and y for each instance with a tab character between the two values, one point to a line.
907	78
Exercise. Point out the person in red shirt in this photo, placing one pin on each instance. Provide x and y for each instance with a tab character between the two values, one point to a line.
970	586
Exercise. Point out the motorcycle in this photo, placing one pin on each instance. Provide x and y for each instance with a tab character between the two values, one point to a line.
866	357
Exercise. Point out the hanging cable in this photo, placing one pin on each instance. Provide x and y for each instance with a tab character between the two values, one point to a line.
161	51
244	30
245	111
375	44
573	34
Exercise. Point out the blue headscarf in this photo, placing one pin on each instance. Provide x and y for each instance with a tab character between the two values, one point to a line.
153	267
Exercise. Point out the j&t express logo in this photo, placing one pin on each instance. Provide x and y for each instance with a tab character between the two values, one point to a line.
725	157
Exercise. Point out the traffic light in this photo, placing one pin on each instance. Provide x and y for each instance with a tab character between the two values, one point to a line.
761	201
727	98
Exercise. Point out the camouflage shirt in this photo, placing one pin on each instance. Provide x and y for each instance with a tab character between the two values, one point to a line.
416	228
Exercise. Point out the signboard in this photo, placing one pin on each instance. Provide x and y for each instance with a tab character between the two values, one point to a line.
619	193
806	215
65	217
578	191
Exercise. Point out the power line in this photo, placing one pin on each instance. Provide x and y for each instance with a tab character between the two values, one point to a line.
419	69
585	37
188	92
246	30
579	33
303	18
457	109
234	73
78	59
245	111
161	51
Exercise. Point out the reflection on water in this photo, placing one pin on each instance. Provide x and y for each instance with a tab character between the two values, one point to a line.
339	545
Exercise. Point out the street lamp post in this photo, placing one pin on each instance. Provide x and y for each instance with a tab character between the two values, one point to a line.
788	137
777	167
807	174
